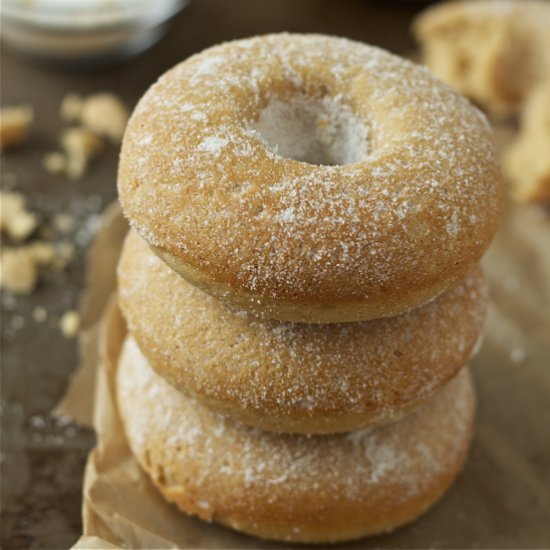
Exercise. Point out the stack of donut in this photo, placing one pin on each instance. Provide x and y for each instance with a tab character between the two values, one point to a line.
301	285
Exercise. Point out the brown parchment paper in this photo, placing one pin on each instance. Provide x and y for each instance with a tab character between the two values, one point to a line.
501	499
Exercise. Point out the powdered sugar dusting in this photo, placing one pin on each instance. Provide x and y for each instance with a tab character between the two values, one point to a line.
212	144
287	215
286	373
422	200
247	465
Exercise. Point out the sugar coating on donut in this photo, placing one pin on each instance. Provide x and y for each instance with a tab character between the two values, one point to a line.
309	487
380	446
295	377
406	215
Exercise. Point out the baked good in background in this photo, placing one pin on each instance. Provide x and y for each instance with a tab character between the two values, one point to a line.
292	487
526	162
311	179
493	51
295	377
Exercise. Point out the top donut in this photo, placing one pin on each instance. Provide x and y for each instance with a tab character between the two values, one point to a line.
310	178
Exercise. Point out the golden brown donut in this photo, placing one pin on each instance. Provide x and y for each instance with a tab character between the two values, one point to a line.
494	51
310	178
292	487
527	162
295	377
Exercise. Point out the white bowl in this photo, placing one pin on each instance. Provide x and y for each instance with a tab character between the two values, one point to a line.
76	32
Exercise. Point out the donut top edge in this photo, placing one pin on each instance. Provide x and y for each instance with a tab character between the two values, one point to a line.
195	181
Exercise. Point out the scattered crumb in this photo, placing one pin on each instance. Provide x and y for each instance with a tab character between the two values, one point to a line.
80	146
15	220
20	265
105	115
39	314
97	116
43	253
50	255
15	123
18	271
64	223
54	162
71	108
517	355
69	324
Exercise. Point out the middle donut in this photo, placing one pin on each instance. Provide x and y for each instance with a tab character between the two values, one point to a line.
295	377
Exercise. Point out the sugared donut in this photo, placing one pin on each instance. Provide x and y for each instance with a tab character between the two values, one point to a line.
292	487
295	377
310	178
494	51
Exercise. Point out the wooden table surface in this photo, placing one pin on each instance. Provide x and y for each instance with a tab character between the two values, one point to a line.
42	459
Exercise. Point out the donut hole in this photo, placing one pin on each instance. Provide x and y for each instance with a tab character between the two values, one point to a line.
315	130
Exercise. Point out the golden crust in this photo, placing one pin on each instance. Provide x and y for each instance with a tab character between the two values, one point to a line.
307	242
292	487
295	377
494	51
527	161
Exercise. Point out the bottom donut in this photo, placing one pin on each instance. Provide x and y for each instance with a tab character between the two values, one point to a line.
299	488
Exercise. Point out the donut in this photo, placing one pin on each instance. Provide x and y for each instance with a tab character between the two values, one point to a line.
295	377
527	161
309	178
286	486
494	51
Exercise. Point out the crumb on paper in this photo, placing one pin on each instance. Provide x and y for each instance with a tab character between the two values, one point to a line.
40	314
71	108
54	162
105	115
15	123
15	220
80	145
69	324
